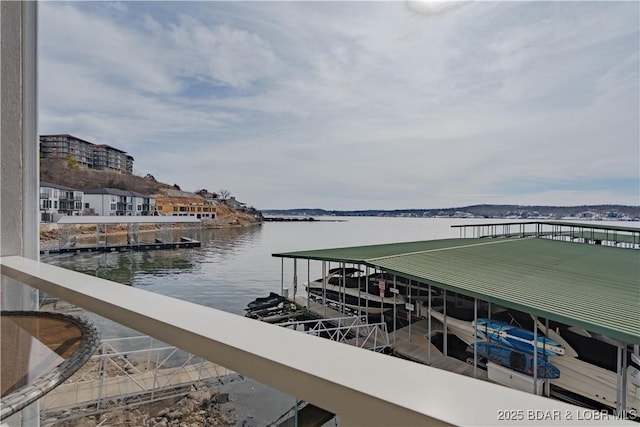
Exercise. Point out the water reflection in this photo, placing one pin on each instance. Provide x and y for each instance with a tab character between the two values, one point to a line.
122	267
205	275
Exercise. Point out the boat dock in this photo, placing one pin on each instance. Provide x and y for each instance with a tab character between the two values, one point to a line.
408	342
127	235
530	270
132	385
122	248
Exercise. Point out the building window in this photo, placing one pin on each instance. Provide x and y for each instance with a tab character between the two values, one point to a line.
113	206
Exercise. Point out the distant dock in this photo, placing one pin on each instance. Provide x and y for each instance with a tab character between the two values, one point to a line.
122	248
106	241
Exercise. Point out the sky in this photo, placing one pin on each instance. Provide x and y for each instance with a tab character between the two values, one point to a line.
355	105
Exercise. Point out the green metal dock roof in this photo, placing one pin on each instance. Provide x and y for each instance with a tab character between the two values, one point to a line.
591	286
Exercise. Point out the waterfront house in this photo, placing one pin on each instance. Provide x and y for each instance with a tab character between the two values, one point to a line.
113	201
235	204
197	210
187	204
57	201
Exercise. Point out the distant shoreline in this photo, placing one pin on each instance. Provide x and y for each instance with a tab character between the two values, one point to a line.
500	212
299	219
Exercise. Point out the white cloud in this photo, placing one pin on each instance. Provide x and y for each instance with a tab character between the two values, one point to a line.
356	105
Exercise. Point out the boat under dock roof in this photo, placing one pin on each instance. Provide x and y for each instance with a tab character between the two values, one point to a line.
591	286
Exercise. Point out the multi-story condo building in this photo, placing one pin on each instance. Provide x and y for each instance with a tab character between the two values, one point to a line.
107	157
111	201
57	201
60	146
87	154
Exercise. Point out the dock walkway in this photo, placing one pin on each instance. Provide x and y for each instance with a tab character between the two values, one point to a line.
123	386
75	248
408	342
415	347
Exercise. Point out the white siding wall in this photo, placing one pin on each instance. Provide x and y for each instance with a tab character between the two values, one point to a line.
100	203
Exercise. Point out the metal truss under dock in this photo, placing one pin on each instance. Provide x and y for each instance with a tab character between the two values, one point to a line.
123	233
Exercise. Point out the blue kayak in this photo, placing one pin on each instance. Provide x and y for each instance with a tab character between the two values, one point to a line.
518	338
517	360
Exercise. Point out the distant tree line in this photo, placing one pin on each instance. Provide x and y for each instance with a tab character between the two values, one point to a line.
482	211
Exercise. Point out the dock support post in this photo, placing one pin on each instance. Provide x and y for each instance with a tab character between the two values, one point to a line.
445	335
622	379
366	294
535	354
308	280
547	384
344	289
360	293
619	380
395	287
295	277
381	293
623	400
429	326
409	311
281	276
324	287
475	338
136	234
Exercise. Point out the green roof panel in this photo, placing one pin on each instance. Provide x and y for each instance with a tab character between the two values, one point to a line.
590	286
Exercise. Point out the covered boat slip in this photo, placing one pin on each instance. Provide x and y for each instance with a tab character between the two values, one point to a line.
130	235
593	287
589	286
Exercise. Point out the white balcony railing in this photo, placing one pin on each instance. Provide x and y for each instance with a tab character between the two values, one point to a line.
362	387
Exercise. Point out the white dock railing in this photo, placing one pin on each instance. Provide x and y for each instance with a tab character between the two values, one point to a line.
362	387
351	330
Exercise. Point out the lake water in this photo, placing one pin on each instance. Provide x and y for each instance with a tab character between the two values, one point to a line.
234	266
